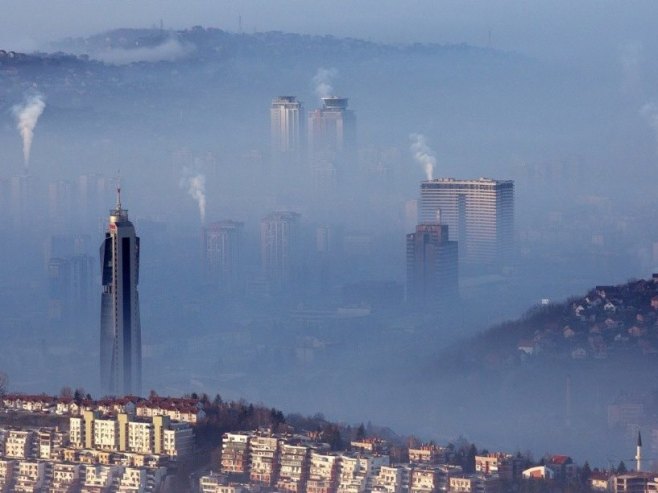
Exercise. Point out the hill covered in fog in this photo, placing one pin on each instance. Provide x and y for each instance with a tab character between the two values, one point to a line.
609	323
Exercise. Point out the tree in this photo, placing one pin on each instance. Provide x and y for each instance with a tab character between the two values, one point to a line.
66	393
361	432
585	473
4	383
621	468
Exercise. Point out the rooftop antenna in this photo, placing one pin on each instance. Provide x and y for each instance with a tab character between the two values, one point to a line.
119	190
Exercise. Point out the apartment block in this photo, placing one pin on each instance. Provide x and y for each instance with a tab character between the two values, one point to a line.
323	473
293	470
264	452
235	454
389	480
65	478
30	476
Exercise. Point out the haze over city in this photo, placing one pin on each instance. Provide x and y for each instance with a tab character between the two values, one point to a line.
433	217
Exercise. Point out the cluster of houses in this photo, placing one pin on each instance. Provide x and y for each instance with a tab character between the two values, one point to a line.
608	321
264	461
183	409
109	446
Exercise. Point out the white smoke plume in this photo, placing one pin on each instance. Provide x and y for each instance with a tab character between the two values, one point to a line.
650	113
423	154
322	81
195	184
27	115
169	50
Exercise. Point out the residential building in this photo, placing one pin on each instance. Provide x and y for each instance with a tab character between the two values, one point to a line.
222	245
121	337
293	468
65	477
332	134
323	473
29	476
265	464
506	466
479	214
280	243
389	480
287	130
18	444
7	467
235	454
426	454
432	266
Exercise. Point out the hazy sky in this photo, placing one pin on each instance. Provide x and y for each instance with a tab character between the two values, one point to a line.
559	27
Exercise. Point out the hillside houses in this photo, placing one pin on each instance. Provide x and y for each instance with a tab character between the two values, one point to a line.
608	322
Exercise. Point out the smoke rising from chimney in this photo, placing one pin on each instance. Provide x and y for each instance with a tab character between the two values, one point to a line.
27	115
195	184
322	81
423	154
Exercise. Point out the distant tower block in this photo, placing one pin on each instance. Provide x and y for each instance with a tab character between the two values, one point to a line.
121	333
332	133
479	213
222	243
432	266
287	129
280	248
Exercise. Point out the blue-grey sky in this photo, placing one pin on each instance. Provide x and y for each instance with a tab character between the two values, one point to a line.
560	28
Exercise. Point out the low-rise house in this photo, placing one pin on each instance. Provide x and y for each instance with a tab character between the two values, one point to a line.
538	472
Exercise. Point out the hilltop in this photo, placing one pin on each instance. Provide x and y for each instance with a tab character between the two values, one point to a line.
608	323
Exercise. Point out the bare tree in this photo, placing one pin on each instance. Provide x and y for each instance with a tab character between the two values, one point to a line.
4	383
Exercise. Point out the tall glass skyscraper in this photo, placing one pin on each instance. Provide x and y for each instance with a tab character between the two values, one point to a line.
121	338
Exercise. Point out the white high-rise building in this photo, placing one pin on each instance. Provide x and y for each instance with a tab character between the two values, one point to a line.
479	214
222	244
280	248
286	126
121	338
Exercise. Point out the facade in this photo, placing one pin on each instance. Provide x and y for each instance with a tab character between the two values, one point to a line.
222	242
323	473
294	460
264	452
331	142
235	454
479	214
280	248
124	433
432	266
287	129
121	338
332	129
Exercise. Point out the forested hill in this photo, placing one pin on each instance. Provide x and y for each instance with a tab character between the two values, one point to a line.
609	323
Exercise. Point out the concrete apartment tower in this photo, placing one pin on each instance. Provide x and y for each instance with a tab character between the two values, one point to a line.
287	129
121	338
479	214
332	141
222	244
280	248
432	266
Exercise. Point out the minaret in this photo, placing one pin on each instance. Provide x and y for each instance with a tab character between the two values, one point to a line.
638	453
121	344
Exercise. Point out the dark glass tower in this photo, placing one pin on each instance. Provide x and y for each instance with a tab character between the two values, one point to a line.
121	338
